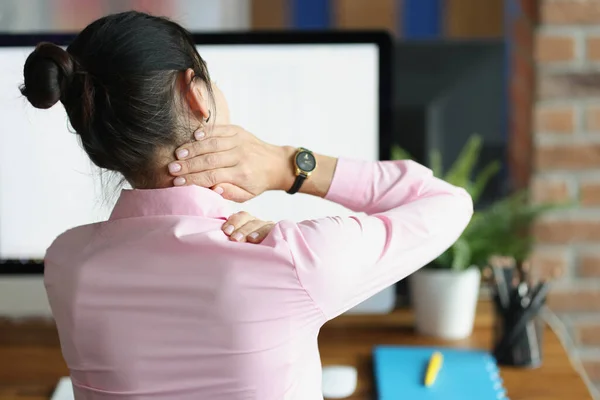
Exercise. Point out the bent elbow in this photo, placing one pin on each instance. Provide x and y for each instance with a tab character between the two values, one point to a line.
466	201
464	207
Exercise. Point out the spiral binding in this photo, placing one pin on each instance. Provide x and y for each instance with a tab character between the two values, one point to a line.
492	368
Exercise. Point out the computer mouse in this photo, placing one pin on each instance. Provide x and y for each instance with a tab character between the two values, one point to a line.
339	381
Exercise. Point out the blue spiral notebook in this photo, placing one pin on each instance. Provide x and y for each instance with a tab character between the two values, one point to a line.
465	374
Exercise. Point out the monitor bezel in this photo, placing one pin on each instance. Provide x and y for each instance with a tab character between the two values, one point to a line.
381	39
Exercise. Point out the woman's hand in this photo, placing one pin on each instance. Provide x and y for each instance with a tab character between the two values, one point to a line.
242	227
234	163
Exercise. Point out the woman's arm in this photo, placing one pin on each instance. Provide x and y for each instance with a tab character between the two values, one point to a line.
411	216
320	180
239	166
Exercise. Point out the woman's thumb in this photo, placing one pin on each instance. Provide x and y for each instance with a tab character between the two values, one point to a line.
232	192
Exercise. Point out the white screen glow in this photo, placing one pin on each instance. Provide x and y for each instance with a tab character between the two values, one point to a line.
322	97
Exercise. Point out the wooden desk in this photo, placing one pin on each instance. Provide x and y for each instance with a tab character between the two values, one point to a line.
349	340
31	363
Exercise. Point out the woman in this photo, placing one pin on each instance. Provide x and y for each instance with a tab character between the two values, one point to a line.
156	303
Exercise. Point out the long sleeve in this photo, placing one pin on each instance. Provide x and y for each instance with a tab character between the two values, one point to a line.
407	219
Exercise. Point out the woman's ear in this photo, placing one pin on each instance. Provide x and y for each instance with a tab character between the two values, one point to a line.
193	94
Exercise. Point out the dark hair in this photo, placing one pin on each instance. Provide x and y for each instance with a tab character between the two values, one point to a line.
117	81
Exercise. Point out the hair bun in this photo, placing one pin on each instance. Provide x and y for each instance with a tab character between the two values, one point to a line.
48	70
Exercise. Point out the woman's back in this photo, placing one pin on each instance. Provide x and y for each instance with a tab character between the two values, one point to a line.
158	303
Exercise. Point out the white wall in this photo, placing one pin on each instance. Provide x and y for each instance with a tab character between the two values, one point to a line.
23	297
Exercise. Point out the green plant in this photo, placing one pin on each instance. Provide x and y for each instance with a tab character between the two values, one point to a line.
461	173
504	228
501	229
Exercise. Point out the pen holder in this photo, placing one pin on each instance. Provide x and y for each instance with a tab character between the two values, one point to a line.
521	348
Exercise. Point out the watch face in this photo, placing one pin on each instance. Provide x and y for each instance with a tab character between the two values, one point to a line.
306	161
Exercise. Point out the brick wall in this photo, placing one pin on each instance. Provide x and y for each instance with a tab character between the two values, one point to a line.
567	164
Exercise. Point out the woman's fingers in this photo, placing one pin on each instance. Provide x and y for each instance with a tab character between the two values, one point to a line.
230	155
241	227
236	221
223	159
219	138
207	179
232	192
261	233
254	228
206	146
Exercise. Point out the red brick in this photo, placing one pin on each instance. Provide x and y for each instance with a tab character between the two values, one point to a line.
574	301
571	157
570	12
550	191
523	71
567	231
588	334
592	368
521	96
589	266
590	194
522	81
523	36
555	119
520	122
530	10
592	118
548	265
554	48
592	48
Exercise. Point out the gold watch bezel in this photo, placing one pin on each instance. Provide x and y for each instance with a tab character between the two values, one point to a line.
300	171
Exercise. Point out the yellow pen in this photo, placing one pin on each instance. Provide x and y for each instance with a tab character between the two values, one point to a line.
435	364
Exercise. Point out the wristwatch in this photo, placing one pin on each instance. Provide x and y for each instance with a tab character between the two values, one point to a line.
304	164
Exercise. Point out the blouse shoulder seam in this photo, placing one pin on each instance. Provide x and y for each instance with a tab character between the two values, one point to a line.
292	258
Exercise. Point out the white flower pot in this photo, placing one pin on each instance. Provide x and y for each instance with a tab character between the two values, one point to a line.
444	301
380	303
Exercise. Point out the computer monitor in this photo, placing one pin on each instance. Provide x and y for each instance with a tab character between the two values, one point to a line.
329	92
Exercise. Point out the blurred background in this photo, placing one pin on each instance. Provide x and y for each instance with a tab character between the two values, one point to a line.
523	74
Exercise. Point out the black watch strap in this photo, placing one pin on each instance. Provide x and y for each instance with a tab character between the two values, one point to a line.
297	184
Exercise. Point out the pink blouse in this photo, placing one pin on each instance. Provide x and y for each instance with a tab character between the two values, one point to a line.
157	303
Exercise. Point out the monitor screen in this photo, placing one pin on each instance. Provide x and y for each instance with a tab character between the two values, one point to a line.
322	96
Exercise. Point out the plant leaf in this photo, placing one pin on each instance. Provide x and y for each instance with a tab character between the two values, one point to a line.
398	153
462	169
482	179
504	228
501	229
462	255
445	259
